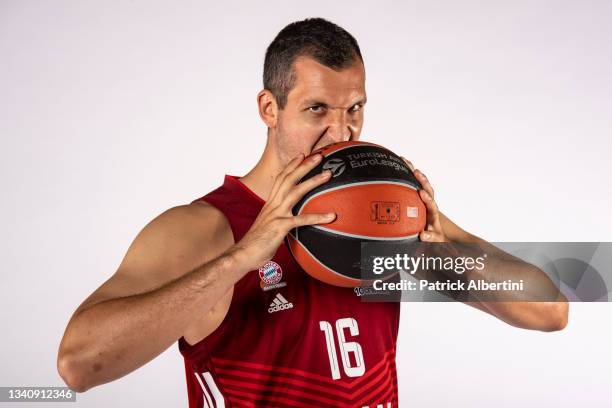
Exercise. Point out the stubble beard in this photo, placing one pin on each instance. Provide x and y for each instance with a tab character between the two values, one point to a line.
285	149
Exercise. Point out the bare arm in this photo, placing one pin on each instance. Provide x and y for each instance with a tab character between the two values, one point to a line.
176	271
148	304
543	316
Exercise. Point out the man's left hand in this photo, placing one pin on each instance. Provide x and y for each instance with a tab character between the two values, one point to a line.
433	231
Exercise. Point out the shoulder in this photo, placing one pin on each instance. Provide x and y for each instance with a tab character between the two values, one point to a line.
198	218
179	239
170	246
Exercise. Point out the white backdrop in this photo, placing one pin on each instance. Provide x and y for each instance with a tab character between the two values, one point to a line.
112	111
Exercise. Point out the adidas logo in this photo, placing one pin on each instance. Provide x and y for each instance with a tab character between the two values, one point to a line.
279	303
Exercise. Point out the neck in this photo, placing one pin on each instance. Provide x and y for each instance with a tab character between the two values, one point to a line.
261	177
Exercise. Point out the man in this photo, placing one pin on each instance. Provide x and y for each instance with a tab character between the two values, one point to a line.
196	272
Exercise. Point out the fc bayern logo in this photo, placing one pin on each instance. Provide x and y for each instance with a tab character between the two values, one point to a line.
271	273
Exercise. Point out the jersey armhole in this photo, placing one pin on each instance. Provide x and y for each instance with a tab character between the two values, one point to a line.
222	211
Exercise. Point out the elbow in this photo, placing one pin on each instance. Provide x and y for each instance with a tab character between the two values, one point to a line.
556	316
74	378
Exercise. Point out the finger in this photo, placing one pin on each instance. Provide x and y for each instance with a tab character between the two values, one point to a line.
408	163
292	165
435	226
431	236
302	188
433	214
430	203
424	181
312	219
300	171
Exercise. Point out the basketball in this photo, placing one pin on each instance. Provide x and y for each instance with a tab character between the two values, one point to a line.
376	199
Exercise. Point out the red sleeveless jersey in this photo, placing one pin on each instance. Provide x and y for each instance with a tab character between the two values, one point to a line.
289	340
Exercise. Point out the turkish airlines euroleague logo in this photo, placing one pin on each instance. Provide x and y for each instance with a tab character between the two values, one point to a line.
336	166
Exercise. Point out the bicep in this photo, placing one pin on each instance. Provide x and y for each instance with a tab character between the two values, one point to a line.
171	245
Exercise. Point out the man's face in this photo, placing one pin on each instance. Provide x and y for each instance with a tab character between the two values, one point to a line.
325	106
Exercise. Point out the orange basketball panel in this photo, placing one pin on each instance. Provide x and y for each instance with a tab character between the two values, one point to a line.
371	210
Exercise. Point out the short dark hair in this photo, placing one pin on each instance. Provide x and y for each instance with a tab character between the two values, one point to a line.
322	40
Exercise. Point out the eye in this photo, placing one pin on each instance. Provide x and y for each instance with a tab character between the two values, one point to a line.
356	108
316	109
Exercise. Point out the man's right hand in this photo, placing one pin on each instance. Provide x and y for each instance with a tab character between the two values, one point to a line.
275	219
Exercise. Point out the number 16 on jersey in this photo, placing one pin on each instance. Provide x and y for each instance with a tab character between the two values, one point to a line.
345	347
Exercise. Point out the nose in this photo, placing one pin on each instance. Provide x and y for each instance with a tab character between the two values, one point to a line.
339	128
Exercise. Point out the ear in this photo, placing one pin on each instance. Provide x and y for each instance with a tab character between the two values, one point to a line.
268	109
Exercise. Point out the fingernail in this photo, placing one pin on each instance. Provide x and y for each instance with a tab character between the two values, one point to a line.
316	157
426	235
331	216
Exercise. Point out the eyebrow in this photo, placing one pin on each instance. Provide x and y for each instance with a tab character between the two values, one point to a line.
310	102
